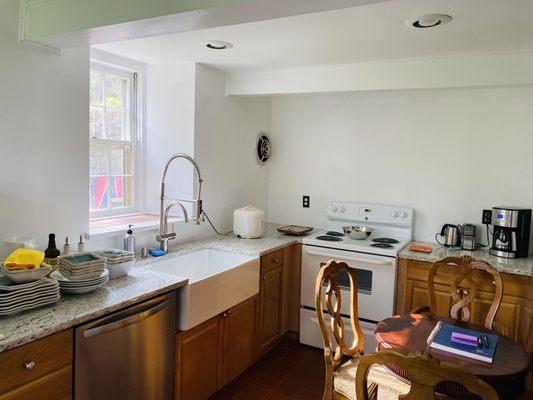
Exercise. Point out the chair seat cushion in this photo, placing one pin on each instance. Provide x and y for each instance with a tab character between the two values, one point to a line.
389	386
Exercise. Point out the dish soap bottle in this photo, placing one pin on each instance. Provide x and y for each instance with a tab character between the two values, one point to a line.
52	252
66	247
129	240
81	245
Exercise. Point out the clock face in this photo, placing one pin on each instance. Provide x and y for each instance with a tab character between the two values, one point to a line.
264	148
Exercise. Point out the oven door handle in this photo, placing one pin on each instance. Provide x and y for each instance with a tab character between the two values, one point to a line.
361	260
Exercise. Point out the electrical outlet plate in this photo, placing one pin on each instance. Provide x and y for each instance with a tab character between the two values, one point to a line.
306	201
486	217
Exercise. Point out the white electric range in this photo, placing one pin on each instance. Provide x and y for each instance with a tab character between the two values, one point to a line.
374	259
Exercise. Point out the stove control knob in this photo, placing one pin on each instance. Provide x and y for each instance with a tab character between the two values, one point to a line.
395	214
404	214
343	209
335	209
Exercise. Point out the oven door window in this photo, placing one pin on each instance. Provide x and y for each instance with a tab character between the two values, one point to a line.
364	280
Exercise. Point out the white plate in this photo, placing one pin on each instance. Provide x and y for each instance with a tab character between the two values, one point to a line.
6	285
27	275
64	280
82	277
81	270
27	294
28	303
82	290
21	292
35	305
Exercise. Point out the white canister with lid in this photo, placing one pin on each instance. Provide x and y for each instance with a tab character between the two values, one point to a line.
249	222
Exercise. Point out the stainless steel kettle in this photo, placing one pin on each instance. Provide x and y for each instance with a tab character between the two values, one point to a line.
451	234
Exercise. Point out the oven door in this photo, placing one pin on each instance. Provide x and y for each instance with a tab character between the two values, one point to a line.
376	280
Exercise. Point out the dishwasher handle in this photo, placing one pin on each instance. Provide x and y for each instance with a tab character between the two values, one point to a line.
125	318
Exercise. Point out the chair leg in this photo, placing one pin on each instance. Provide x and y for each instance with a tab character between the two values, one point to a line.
328	384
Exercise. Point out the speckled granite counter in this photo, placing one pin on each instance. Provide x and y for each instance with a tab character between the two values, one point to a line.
140	284
519	266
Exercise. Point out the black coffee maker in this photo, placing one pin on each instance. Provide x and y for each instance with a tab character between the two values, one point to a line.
511	232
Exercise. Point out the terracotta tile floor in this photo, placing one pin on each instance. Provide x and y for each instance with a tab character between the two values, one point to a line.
290	371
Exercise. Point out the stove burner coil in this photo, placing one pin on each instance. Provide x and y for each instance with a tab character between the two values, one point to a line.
385	240
333	233
382	245
329	238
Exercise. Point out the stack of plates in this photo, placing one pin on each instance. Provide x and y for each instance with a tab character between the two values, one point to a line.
118	262
15	298
81	266
80	286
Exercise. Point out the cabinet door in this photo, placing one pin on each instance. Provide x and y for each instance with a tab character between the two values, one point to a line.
198	361
417	296
55	386
271	302
239	339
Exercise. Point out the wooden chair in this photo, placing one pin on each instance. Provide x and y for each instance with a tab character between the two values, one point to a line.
463	298
341	359
424	374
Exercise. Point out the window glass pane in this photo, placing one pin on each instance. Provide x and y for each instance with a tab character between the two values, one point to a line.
115	129
98	193
121	190
96	126
98	160
117	91
120	160
97	80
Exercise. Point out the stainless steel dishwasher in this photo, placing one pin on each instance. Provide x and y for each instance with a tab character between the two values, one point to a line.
129	354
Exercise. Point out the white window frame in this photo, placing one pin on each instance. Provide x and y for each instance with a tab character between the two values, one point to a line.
135	142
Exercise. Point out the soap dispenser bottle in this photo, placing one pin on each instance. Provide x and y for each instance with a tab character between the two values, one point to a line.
129	240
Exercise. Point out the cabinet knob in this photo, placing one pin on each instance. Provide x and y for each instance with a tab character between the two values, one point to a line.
229	312
275	260
264	278
29	365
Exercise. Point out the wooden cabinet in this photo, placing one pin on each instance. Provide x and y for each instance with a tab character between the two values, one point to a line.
40	369
211	354
412	293
270	300
239	339
270	308
54	386
198	360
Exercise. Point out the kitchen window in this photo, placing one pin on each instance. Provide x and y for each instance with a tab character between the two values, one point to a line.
114	175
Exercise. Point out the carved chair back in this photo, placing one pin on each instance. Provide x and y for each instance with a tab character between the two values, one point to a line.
463	298
328	297
424	374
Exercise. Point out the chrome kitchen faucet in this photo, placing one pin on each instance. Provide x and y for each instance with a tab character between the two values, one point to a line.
164	236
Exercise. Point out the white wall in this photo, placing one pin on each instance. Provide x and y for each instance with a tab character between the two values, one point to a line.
170	129
44	154
448	153
226	133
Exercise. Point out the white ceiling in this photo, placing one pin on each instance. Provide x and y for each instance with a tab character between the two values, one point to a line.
359	34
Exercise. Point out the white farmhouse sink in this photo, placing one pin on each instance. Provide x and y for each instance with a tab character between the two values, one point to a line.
218	280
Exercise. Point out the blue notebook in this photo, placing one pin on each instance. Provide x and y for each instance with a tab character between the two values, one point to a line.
441	339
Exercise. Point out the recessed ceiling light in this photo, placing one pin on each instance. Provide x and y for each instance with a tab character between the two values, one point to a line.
217	45
428	21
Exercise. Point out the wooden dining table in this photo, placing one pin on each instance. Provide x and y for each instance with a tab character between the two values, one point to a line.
409	333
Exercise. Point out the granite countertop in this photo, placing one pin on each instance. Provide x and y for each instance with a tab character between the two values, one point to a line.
518	266
140	284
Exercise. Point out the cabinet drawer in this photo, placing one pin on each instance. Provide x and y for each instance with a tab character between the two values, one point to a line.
55	386
34	360
271	261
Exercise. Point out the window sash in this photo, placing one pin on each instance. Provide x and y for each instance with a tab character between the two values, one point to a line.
130	109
